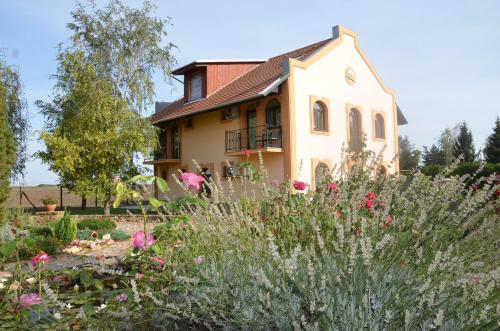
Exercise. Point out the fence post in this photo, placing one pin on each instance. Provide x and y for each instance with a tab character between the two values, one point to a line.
61	197
20	196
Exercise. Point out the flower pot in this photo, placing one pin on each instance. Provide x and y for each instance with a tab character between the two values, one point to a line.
51	208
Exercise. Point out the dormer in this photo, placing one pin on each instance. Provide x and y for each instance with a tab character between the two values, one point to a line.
204	77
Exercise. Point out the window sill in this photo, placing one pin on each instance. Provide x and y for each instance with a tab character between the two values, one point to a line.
321	132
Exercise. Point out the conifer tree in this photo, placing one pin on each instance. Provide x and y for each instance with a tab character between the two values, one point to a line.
464	144
7	149
492	148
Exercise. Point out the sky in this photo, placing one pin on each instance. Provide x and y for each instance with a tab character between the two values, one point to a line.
442	58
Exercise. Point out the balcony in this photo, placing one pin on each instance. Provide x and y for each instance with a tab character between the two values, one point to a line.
264	139
160	156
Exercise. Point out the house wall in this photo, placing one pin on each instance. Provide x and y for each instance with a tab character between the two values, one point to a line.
205	143
323	77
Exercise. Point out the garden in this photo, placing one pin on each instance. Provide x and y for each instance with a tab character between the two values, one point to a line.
402	253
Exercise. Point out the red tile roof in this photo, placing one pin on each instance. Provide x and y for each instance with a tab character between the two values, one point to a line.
246	86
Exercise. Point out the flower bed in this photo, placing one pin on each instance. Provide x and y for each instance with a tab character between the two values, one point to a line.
403	253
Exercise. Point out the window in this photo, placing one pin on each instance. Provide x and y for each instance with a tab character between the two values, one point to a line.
229	169
355	133
196	86
379	126
231	113
188	123
273	113
320	117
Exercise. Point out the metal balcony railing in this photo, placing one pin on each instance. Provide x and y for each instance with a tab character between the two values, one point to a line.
257	137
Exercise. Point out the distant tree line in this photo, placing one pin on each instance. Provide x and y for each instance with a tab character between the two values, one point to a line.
452	144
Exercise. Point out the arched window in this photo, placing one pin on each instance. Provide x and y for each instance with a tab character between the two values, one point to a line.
273	114
320	116
355	133
322	174
379	126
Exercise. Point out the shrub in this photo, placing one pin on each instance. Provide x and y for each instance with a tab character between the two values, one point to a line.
115	234
96	224
46	231
65	229
33	245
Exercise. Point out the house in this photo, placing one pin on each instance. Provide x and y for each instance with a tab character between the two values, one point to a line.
298	109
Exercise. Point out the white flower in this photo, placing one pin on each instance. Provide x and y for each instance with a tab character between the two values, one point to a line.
57	316
101	307
31	280
2	286
76	287
69	305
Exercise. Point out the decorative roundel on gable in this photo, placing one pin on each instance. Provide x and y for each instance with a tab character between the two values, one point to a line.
350	75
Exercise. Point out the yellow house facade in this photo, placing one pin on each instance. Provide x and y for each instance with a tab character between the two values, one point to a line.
298	109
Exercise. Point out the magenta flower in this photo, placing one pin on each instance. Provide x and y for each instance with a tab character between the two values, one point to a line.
158	260
299	186
143	241
40	258
333	187
246	153
122	297
192	180
31	299
199	260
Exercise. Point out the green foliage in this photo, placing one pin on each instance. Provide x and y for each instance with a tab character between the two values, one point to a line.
464	144
115	234
475	170
442	151
50	201
91	135
409	156
17	113
33	245
7	148
492	147
46	231
96	224
66	228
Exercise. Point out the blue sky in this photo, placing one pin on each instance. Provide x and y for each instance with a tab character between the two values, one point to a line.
441	57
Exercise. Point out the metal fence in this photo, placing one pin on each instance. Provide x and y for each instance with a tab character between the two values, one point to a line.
33	196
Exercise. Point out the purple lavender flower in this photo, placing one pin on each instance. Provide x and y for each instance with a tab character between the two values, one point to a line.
31	299
122	297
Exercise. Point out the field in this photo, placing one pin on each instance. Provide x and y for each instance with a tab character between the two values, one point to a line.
36	194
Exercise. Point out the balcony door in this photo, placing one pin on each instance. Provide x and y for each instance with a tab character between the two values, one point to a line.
271	135
176	143
251	127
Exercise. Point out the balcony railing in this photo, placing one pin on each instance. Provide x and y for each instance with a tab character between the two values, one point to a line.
161	154
257	137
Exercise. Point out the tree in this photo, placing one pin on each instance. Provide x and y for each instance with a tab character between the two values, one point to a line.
409	156
442	151
91	136
17	114
492	147
7	148
464	144
126	45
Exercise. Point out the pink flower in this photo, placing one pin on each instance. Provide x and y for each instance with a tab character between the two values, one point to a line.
40	258
333	187
139	276
199	260
246	153
27	300
299	186
192	180
368	203
388	221
142	240
369	200
122	297
371	196
159	261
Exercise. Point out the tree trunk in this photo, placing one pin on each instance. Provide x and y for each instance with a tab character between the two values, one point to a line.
84	202
107	207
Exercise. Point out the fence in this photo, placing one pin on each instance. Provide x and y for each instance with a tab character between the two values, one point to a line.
32	196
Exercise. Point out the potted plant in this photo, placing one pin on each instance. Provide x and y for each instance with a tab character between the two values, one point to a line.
50	203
